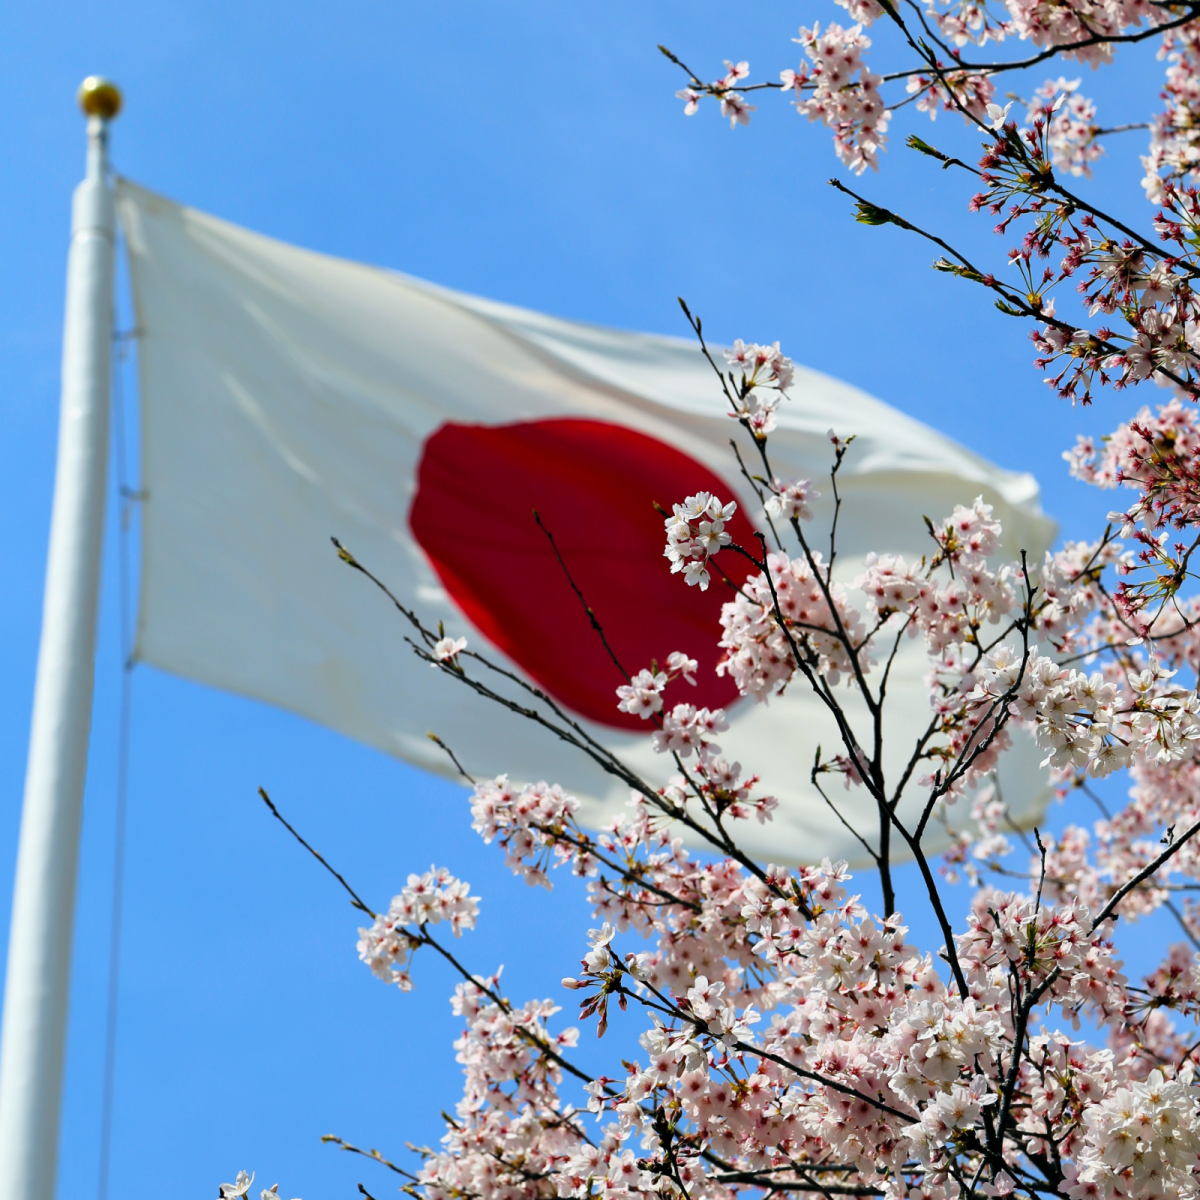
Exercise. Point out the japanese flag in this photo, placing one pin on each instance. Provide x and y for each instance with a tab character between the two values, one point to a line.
287	397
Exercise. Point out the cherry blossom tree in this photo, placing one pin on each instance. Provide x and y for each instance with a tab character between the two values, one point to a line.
791	1041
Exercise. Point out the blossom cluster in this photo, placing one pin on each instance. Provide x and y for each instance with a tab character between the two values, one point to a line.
1174	152
427	899
761	376
512	1129
790	618
898	1066
1142	1139
844	93
733	104
970	22
949	609
1095	722
643	695
966	92
1070	127
790	501
1157	454
695	533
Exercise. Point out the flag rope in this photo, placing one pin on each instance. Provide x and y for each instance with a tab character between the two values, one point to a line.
126	499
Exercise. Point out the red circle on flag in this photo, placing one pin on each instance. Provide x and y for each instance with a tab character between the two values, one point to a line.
594	485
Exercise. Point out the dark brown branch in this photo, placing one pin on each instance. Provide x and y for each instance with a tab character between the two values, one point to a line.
374	1155
355	899
437	741
1145	874
873	214
587	608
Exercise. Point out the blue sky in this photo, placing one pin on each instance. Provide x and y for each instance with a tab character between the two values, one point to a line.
534	154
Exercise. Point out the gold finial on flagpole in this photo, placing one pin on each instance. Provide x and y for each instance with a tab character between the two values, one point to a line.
99	97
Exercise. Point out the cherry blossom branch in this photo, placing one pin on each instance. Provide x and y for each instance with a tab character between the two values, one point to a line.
995	67
816	769
935	899
424	938
872	214
1192	11
997	717
1045	178
354	896
574	734
819	684
1181	921
1121	128
756	482
891	658
1020	1026
1176	845
427	939
994	719
671	1008
587	608
839	455
632	875
805	1183
374	1155
437	741
629	875
899	20
824	579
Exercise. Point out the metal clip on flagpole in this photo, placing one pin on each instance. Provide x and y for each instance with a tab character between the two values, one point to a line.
37	982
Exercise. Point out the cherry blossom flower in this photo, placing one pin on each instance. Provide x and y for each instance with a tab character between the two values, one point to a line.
678	664
447	649
734	107
239	1187
790	501
642	697
996	115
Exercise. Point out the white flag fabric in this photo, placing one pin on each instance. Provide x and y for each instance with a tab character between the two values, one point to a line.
287	397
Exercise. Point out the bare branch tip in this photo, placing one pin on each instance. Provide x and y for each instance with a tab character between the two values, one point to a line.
343	553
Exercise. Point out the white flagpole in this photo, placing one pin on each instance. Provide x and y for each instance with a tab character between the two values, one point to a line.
39	948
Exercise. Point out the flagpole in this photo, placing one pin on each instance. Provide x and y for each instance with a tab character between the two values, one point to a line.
33	1033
